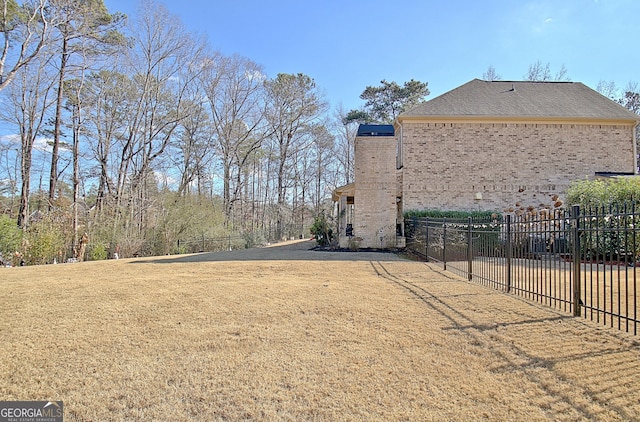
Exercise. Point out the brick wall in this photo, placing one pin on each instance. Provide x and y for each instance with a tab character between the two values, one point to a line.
376	190
492	166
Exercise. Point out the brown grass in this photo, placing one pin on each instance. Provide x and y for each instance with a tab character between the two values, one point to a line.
309	336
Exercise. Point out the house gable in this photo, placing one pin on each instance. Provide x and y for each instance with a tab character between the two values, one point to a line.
490	145
525	101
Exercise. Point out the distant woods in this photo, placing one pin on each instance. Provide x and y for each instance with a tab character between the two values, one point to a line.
138	133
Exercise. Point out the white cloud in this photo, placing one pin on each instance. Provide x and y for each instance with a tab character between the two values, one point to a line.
10	139
43	144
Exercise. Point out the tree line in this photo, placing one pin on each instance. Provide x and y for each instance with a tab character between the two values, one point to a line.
138	133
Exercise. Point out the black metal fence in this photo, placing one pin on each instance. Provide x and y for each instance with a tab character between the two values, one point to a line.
579	261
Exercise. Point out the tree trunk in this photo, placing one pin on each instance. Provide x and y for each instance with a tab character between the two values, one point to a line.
53	176
226	194
76	170
25	168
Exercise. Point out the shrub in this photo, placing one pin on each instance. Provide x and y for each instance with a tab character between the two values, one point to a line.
322	230
10	238
45	243
599	193
98	252
610	233
450	214
255	239
180	250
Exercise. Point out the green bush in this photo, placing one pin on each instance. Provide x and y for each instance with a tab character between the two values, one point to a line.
10	238
599	193
44	244
183	219
322	230
98	252
454	215
254	239
610	235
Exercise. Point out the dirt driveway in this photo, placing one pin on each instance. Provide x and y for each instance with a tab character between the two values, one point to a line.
290	333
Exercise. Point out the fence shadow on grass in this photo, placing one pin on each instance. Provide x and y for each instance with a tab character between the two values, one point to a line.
576	364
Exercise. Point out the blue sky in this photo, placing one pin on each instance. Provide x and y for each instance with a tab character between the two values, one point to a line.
347	45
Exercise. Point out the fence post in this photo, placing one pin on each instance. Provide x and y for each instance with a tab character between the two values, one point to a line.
444	243
426	239
576	260
507	246
469	249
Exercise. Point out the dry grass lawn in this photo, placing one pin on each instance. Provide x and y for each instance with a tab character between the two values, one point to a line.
285	333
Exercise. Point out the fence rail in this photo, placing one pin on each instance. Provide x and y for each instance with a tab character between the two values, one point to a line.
578	261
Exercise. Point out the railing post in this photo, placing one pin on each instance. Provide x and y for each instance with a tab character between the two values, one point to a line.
469	249
426	239
507	246
576	260
444	243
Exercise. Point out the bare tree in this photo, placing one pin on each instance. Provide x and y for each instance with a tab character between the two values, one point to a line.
345	146
74	93
608	89
542	73
194	146
293	103
9	170
26	25
561	75
76	23
491	74
631	97
30	101
165	60
234	89
322	148
107	95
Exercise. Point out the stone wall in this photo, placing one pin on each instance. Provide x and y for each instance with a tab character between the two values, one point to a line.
471	166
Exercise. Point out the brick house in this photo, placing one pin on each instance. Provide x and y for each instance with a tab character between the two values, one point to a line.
482	146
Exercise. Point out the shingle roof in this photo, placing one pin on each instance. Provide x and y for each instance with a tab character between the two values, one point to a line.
526	99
